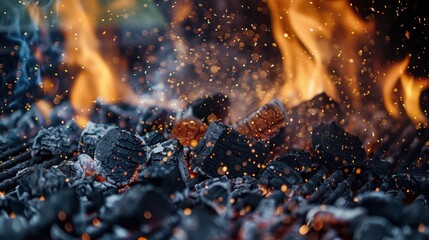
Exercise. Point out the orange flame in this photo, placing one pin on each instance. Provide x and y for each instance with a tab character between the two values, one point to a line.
95	78
322	43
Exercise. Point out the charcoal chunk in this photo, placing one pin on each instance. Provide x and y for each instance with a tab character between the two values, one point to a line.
165	177
141	206
169	152
152	138
41	183
380	204
209	108
91	135
416	180
155	119
121	114
279	176
217	195
375	228
71	169
120	154
16	228
57	141
335	147
223	151
300	160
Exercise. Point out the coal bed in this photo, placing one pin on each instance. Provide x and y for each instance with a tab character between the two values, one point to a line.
261	119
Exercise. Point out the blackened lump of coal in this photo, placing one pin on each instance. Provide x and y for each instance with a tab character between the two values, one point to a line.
71	169
41	182
91	135
152	138
155	119
380	169
171	153
335	147
374	228
166	177
223	151
120	154
141	206
209	108
300	160
57	141
277	174
380	204
416	180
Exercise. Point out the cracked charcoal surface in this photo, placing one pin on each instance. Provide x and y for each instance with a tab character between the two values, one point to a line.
91	135
120	154
223	151
56	141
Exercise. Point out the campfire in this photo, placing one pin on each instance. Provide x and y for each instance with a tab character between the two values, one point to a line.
267	119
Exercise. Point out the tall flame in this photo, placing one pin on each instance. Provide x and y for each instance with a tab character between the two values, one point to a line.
323	43
95	78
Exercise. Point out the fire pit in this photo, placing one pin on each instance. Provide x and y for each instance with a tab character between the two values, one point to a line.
270	119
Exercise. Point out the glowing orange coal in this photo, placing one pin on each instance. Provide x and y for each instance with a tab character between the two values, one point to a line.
96	78
324	44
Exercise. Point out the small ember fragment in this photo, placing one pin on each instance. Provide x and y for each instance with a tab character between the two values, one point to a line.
189	131
223	151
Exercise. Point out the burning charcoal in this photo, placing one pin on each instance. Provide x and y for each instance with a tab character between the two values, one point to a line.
155	119
142	207
244	185
309	186
57	141
165	177
189	131
91	135
223	151
201	222
71	169
121	114
265	122
209	108
217	196
300	160
380	204
120	155
374	228
171	153
88	165
279	176
340	189
41	183
152	138
335	147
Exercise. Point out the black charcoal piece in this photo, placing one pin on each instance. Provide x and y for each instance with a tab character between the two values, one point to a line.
41	183
71	169
217	195
380	169
244	185
209	108
415	214
120	154
416	180
141	206
335	147
169	152
374	228
279	176
300	160
91	135
121	114
152	138
58	141
223	151
17	228
165	177
202	223
155	119
380	204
